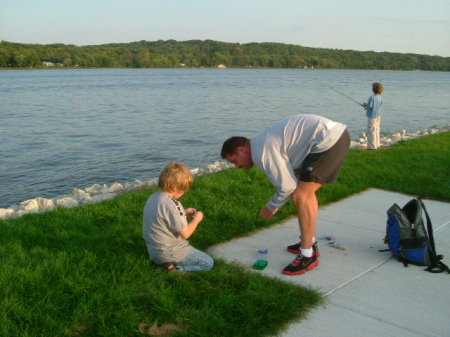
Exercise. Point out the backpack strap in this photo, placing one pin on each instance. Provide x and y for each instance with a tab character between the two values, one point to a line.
437	266
404	261
429	226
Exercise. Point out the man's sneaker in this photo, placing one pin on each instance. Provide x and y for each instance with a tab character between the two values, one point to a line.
295	249
301	265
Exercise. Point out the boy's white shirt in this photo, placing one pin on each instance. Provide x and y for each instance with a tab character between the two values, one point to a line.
282	148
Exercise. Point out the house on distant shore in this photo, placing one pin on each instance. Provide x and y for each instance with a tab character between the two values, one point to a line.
51	64
221	66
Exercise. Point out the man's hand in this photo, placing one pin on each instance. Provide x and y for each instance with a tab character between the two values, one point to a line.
267	213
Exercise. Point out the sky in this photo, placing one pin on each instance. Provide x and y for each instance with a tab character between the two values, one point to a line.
403	26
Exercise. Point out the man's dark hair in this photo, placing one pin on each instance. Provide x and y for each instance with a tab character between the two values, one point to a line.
231	144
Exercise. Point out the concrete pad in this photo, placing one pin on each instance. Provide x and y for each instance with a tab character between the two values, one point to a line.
389	301
367	292
336	321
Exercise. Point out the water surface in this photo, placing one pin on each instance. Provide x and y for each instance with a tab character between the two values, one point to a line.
64	129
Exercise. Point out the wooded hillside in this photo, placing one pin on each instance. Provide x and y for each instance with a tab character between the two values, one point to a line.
196	53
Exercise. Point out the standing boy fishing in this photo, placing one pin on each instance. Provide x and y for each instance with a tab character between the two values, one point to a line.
298	154
373	113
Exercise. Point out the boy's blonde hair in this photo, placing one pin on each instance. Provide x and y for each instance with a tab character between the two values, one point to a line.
377	88
175	176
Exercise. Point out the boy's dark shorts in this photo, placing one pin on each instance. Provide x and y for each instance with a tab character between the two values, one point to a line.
324	167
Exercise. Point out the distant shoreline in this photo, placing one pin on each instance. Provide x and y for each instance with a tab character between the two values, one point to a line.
210	53
187	68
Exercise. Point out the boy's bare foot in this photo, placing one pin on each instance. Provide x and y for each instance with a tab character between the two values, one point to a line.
169	266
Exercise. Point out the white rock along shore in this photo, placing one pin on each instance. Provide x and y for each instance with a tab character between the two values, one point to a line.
98	193
93	194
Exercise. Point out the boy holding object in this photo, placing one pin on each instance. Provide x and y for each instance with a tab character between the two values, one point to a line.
373	113
166	229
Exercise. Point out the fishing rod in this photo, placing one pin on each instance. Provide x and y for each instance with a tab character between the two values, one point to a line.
329	86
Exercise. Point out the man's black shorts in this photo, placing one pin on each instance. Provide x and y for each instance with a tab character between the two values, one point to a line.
324	167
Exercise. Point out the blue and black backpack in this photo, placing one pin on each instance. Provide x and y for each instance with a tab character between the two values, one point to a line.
410	240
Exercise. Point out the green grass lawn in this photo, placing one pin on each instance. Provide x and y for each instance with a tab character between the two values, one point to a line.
85	271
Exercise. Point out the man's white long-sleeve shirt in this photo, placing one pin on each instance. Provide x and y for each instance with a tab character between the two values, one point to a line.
282	148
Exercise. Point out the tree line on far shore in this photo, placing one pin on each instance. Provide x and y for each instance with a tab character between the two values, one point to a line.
208	53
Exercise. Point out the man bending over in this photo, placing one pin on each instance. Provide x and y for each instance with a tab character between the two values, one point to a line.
298	154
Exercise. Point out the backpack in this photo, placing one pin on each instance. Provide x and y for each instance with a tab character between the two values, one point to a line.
410	240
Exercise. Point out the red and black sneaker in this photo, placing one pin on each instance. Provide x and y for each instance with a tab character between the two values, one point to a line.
295	249
301	265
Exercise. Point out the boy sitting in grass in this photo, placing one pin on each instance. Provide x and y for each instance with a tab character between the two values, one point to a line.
166	229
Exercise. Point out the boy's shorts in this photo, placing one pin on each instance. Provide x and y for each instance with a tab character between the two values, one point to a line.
324	167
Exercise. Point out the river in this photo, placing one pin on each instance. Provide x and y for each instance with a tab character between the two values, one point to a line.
63	129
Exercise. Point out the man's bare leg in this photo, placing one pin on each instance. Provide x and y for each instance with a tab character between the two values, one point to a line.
305	200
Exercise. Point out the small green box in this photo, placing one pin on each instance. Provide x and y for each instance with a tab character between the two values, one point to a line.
260	264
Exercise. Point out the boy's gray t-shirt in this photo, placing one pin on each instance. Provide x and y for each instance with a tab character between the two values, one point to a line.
164	218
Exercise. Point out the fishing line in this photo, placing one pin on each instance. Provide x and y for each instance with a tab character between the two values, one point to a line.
329	86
